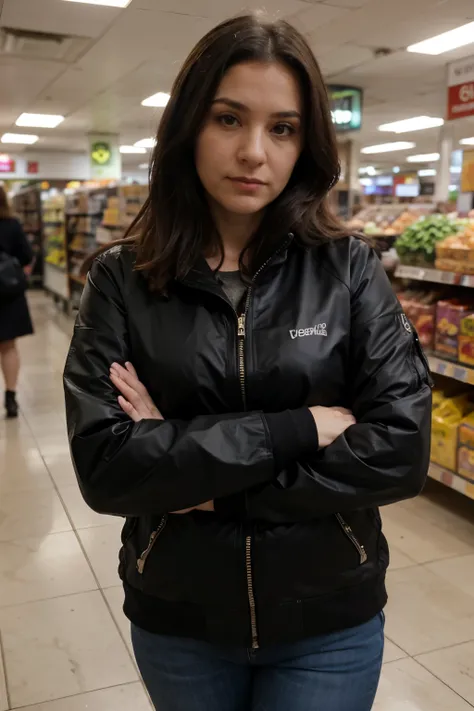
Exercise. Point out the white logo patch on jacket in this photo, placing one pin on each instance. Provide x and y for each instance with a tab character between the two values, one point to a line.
317	330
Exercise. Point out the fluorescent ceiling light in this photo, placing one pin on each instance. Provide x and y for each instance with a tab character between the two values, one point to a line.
455	169
106	3
388	147
132	149
146	143
423	158
459	37
426	172
467	141
417	123
396	169
143	166
24	138
160	99
39	120
368	170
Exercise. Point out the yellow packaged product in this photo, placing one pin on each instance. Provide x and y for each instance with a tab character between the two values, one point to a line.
466	448
446	419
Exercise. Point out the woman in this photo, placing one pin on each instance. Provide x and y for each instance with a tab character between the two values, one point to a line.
15	320
243	386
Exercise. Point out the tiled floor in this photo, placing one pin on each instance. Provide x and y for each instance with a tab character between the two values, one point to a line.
63	639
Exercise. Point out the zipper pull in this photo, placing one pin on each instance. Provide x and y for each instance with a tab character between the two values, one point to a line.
241	326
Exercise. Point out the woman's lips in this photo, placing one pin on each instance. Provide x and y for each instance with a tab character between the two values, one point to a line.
247	184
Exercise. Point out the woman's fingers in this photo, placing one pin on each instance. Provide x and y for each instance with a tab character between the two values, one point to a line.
129	409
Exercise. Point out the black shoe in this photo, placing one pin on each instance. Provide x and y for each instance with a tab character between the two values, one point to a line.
11	404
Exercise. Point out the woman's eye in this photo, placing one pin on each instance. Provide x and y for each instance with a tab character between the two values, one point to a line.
228	120
283	129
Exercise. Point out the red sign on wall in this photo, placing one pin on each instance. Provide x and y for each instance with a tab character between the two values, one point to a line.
32	167
460	89
6	165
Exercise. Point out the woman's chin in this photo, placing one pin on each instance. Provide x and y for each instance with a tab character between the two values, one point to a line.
244	205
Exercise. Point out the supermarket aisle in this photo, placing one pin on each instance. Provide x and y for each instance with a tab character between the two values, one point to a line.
63	637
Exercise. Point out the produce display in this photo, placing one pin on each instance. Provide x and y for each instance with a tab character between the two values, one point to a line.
387	220
417	245
456	253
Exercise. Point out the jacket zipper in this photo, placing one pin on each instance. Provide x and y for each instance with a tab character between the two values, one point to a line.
153	538
241	323
363	557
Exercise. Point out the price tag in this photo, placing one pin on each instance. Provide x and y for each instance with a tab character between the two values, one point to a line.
445	278
461	374
440	367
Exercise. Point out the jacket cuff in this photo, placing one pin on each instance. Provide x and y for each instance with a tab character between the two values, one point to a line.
293	434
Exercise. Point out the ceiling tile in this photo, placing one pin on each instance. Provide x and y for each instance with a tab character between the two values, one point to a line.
58	17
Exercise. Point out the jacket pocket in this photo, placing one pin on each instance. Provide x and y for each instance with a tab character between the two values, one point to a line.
420	362
349	533
141	561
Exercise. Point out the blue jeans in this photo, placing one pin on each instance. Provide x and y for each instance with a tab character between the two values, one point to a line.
334	672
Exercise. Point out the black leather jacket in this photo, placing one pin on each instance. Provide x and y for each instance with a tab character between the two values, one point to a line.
295	547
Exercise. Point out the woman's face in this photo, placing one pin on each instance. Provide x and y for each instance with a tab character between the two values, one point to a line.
252	137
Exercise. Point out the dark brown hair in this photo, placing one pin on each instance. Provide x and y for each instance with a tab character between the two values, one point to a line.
174	227
5	211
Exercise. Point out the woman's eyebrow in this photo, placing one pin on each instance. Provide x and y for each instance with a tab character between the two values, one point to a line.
242	107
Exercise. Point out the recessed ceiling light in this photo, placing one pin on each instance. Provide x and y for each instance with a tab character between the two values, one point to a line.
146	143
423	158
467	141
106	3
160	99
445	42
396	169
132	149
426	172
39	120
387	147
417	123
26	139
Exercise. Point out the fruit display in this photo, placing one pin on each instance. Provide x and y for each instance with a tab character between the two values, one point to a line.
417	245
386	220
456	253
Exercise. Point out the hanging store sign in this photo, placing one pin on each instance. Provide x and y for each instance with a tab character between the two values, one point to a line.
104	156
467	175
346	107
460	89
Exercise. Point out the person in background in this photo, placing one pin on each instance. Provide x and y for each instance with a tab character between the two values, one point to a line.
243	386
15	319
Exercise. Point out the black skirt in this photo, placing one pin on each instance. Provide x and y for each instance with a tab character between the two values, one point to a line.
15	319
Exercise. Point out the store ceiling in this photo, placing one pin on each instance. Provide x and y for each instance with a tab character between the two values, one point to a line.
127	55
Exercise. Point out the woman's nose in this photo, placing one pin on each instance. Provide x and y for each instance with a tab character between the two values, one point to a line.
252	147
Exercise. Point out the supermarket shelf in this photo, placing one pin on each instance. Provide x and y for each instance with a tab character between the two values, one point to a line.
435	276
55	266
451	369
452	480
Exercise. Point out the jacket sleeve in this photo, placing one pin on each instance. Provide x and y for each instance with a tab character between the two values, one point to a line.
153	466
385	456
23	250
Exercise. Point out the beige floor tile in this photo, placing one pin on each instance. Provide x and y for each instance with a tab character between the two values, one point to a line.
420	539
62	471
22	469
392	652
4	706
62	647
130	697
425	612
82	516
454	666
399	560
31	514
406	686
39	568
457	571
102	545
115	597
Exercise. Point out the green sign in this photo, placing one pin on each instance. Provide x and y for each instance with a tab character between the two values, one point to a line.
104	156
346	107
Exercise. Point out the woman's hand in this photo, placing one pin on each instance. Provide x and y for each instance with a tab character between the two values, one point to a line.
135	400
331	422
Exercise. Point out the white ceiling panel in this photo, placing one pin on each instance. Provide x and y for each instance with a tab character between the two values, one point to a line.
58	17
314	16
220	9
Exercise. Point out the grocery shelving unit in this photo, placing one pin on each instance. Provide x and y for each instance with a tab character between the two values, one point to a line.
444	366
54	238
27	207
